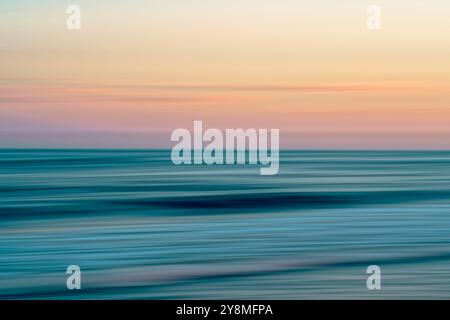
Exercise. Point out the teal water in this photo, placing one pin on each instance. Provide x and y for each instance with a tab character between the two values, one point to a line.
140	227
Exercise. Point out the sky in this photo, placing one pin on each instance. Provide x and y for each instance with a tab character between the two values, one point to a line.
139	69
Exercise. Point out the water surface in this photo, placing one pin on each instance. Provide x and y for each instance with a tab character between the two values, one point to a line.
140	227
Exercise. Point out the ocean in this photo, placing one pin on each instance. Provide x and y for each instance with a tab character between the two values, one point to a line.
140	227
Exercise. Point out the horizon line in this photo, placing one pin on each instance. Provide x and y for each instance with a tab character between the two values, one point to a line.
169	149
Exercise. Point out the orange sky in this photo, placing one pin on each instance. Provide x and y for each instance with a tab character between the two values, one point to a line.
142	69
